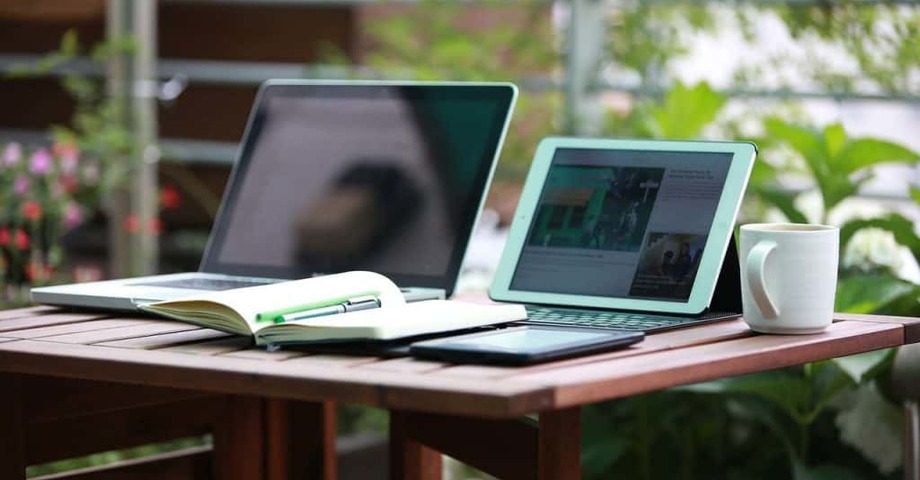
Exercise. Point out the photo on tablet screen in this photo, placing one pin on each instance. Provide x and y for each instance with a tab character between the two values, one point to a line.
600	208
668	265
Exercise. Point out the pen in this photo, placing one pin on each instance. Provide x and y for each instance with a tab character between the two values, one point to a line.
354	305
273	315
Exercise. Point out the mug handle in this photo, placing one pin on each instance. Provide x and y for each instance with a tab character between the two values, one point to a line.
756	260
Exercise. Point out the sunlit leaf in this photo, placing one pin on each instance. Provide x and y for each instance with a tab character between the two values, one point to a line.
869	293
866	152
835	137
859	367
784	202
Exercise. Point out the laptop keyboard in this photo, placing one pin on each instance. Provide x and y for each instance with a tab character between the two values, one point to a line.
601	319
196	283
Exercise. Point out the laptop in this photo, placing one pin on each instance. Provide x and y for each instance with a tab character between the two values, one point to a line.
627	234
334	176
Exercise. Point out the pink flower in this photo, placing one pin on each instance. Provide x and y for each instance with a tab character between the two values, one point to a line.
21	185
72	215
12	154
91	173
41	162
68	154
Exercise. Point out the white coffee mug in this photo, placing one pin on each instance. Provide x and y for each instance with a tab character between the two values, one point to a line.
788	276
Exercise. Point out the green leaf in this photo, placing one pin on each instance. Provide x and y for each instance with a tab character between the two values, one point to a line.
763	173
801	471
863	366
870	293
791	393
901	227
915	194
686	111
859	366
782	201
805	141
866	152
835	137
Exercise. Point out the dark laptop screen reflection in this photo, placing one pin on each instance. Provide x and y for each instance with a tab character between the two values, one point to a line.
369	183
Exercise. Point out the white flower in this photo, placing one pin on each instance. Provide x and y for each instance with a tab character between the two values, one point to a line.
871	248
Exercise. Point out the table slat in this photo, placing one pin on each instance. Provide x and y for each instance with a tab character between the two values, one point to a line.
27	312
72	328
212	347
576	385
405	365
47	320
259	353
132	330
340	361
168	339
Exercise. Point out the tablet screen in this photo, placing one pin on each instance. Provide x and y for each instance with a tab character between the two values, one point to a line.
527	339
622	223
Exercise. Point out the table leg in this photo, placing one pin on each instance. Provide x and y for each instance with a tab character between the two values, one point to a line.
12	422
239	446
507	448
300	439
560	444
410	459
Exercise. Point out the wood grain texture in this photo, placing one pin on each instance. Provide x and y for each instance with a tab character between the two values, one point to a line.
193	463
212	347
506	449
164	340
121	333
21	323
72	328
911	324
26	312
629	376
12	428
74	436
239	439
560	445
409	458
47	398
226	374
301	440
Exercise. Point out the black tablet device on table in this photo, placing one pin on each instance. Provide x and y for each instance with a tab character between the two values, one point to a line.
523	345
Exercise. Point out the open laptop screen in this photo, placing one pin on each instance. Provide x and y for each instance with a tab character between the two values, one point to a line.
622	223
379	177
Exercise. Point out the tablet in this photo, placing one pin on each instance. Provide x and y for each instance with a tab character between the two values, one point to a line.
522	345
627	225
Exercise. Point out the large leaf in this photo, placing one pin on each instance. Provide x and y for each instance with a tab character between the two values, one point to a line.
871	293
872	425
901	227
801	471
835	138
782	201
687	110
866	152
791	393
805	141
863	366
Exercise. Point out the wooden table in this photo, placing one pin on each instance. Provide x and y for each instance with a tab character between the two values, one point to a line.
276	408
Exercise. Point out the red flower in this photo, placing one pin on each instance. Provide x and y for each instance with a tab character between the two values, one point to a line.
156	226
132	224
4	237
32	210
170	197
22	239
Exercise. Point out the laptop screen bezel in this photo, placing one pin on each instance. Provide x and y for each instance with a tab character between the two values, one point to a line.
720	233
503	94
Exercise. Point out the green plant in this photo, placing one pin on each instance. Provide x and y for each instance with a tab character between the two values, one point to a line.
431	40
